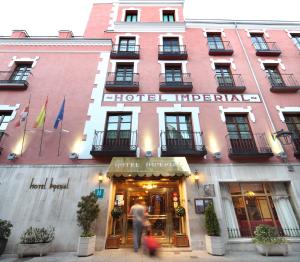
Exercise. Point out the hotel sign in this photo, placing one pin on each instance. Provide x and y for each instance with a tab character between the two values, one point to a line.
174	98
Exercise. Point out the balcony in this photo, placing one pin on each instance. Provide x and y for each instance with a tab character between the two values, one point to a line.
175	82
10	84
232	84
283	83
221	48
122	82
246	145
182	143
114	143
172	52
266	49
125	52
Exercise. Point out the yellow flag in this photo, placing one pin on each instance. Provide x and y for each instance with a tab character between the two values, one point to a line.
41	117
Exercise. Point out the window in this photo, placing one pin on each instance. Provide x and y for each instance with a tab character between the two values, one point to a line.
259	42
239	134
168	16
5	117
171	44
124	73
224	76
296	40
21	72
293	124
131	16
274	76
173	73
215	41
118	130
127	44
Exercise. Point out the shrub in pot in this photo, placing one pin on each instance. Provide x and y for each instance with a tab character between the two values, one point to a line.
36	241
5	230
180	239
268	242
113	240
215	244
87	213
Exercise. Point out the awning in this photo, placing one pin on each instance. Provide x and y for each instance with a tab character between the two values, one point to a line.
147	167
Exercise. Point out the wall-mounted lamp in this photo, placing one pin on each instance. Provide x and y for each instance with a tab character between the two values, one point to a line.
284	137
100	179
73	156
197	178
12	156
217	155
148	153
283	156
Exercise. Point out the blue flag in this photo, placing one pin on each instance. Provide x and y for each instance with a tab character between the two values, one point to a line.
60	115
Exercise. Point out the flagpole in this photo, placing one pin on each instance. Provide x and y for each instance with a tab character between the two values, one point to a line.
25	126
61	128
43	129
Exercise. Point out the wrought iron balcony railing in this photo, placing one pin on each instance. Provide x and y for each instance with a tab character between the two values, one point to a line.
8	83
172	52
122	82
283	83
125	52
182	143
266	49
114	143
245	144
219	48
232	83
175	82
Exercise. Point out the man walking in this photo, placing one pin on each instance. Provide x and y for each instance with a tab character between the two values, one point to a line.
138	213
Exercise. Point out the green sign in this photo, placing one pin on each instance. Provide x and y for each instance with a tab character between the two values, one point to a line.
99	192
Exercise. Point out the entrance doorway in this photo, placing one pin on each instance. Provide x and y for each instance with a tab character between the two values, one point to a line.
160	197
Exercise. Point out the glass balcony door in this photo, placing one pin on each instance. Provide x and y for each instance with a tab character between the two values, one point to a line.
171	45
275	77
215	42
124	74
127	44
293	123
173	75
259	42
224	76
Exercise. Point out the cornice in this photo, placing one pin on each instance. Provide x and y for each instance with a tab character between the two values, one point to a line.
149	27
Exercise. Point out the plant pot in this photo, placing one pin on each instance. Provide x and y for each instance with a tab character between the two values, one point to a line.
38	249
272	249
181	240
3	242
86	246
215	245
113	242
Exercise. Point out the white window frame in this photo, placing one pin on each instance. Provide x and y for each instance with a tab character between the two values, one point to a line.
271	61
257	31
14	108
117	38
15	60
131	9
224	111
282	110
134	62
214	62
221	30
164	62
176	18
168	35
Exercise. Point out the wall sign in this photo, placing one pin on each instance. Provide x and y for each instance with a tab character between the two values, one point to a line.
192	98
201	204
50	185
207	190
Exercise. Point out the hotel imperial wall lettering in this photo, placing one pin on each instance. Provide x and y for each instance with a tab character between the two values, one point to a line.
192	98
49	184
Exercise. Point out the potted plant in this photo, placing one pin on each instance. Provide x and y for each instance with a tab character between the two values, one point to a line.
87	213
180	239
5	230
268	242
36	241
113	240
214	243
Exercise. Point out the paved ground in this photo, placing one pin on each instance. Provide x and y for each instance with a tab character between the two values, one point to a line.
126	255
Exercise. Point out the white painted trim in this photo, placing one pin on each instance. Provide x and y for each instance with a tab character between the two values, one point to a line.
177	108
117	38
247	110
289	32
161	37
230	61
282	110
14	108
149	27
14	60
221	30
164	62
131	9
257	31
134	62
168	9
270	61
54	42
113	16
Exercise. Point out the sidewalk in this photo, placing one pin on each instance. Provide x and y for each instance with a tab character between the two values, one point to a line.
127	255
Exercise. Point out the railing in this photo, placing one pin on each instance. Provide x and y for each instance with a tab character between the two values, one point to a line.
172	50
5	79
122	80
266	46
282	80
296	145
230	81
115	141
175	80
283	232
182	141
125	50
219	46
247	144
2	135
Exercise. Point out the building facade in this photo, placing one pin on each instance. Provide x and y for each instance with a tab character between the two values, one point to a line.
163	108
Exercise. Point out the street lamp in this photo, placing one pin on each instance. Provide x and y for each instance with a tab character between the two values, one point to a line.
284	137
100	179
197	178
